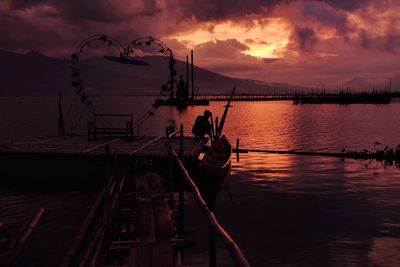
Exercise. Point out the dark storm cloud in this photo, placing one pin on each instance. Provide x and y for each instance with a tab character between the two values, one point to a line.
389	43
97	10
306	38
22	4
50	25
348	4
325	43
205	10
326	16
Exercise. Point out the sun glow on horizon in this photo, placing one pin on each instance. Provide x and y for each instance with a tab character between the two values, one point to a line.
265	38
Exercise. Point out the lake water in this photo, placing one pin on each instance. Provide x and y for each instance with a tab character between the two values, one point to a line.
283	210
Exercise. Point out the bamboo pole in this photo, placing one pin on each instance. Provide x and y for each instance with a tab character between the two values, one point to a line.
234	250
99	146
145	145
16	249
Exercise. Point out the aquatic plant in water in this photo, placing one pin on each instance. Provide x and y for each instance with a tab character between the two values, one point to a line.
387	156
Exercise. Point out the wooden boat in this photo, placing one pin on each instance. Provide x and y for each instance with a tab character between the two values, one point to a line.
214	165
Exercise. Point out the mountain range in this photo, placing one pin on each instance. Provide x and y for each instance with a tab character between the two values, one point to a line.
35	74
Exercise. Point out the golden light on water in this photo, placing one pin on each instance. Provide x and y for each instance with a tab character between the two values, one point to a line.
265	38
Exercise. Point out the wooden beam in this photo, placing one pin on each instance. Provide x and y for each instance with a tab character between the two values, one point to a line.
99	146
15	250
229	243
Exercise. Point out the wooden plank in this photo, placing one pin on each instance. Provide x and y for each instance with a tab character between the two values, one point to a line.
142	187
71	253
22	239
162	219
162	255
155	187
133	257
145	229
75	145
144	256
145	145
100	146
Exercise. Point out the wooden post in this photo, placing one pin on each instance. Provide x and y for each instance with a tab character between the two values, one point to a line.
61	130
108	178
181	142
187	70
216	128
170	174
212	245
107	162
237	149
191	55
181	189
233	248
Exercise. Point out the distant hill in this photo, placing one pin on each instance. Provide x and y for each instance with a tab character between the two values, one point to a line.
34	74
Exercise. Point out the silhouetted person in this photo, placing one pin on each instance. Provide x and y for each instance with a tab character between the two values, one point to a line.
180	92
202	125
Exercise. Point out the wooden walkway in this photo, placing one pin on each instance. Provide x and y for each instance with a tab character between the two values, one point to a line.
146	146
135	220
130	225
131	220
147	238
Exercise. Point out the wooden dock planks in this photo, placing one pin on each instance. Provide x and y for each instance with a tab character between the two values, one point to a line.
152	242
78	145
155	229
145	221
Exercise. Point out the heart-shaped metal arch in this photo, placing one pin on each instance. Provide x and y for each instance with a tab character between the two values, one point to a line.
124	54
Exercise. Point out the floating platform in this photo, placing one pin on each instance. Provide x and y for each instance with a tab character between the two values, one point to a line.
180	103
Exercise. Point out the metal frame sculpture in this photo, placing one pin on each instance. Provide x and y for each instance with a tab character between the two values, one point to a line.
76	74
164	50
124	54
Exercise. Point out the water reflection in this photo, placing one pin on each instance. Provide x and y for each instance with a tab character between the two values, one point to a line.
287	210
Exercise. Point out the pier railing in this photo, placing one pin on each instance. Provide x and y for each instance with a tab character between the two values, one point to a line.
232	247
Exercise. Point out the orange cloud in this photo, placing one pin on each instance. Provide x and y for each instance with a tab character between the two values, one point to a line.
268	35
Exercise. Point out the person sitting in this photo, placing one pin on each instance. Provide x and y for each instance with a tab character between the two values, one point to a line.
202	125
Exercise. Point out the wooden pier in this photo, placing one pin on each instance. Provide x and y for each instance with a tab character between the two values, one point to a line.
146	146
312	97
137	218
182	103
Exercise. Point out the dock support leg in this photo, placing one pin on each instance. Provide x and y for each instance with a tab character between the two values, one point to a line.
181	189
212	237
170	174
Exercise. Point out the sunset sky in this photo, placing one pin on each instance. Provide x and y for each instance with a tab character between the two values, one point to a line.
315	43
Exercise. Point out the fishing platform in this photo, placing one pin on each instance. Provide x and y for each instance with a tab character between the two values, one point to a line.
132	221
137	217
78	146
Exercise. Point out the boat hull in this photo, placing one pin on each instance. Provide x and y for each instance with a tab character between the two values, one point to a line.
214	166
